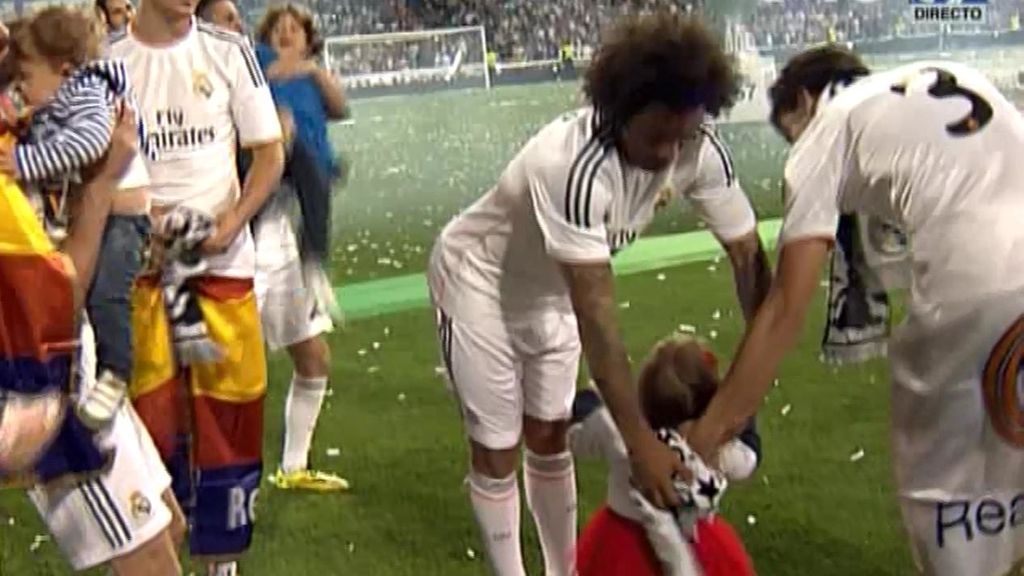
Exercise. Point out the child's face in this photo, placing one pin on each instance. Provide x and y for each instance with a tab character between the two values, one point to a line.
38	80
288	36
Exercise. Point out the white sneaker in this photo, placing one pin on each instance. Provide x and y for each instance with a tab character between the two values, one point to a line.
223	569
99	405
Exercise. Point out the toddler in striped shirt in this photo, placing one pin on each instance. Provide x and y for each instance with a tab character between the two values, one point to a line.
74	96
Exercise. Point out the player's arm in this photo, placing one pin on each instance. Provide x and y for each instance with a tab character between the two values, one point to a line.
571	219
815	173
76	145
721	203
86	232
259	131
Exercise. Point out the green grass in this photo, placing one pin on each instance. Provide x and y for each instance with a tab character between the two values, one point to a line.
417	161
817	513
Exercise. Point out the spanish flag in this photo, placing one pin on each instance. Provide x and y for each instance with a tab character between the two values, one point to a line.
39	330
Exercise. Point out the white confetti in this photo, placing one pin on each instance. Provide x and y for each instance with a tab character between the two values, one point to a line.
384	261
373	369
329	392
661	277
775	383
440	371
401	397
351	547
352	247
624	305
857	455
334	452
470	553
717	259
686	329
362	352
764	480
824	283
785	409
712	268
387	331
751	519
10	521
713	334
376	345
716	314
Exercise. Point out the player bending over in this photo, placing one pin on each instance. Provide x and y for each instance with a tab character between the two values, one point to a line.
934	147
626	536
521	277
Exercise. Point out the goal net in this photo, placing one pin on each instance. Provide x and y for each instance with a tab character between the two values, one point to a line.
403	62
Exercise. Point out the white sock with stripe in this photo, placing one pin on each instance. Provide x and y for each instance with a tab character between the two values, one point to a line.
301	411
551	497
496	507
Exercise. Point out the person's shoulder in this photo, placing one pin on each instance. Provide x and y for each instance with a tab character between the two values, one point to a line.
221	39
574	141
119	42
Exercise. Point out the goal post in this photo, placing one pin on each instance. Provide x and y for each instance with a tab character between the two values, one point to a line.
403	62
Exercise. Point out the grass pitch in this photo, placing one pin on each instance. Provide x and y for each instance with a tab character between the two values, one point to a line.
821	504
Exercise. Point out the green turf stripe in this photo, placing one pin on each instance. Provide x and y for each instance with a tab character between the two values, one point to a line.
409	292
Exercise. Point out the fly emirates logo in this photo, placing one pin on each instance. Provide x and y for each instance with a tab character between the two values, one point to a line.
171	132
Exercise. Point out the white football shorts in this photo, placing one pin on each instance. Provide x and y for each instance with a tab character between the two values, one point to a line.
97	520
288	310
502	368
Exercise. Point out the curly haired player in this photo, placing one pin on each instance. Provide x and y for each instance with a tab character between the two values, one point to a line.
522	282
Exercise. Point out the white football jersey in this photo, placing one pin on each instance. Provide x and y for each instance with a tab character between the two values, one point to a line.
200	97
569	197
936	148
937	152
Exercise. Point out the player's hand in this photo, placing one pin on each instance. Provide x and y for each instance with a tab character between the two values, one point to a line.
654	467
224	232
288	66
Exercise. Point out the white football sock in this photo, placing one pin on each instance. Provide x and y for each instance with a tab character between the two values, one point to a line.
496	507
223	569
301	410
551	496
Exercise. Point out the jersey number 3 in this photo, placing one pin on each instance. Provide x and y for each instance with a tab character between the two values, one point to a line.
1001	384
946	86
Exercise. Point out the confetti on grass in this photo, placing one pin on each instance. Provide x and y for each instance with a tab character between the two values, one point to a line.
751	519
857	455
661	277
470	553
785	409
334	452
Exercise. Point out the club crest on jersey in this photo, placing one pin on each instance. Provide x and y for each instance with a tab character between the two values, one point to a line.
140	505
201	84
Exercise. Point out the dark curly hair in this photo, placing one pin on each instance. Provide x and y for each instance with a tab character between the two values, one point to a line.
813	70
660	58
314	42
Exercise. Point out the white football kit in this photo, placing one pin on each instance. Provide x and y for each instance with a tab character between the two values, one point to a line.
96	520
218	96
507	328
289	310
935	147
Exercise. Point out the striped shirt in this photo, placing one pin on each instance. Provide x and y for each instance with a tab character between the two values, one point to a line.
569	196
73	130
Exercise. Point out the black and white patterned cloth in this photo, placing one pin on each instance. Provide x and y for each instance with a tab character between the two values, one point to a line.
182	231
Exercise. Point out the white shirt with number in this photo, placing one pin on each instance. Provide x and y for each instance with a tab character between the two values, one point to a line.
200	96
936	148
569	197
